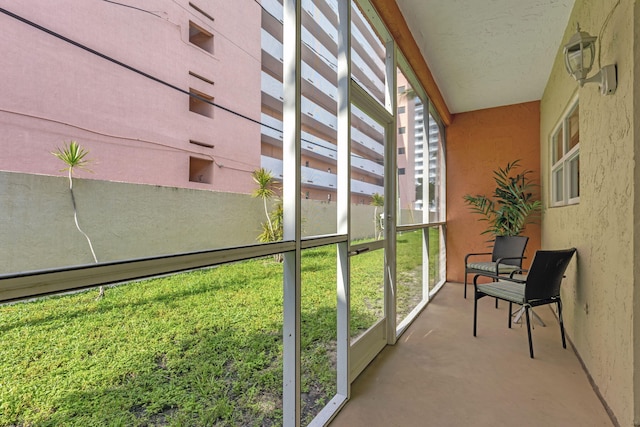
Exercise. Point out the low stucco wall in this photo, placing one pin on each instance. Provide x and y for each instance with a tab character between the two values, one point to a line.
600	304
127	221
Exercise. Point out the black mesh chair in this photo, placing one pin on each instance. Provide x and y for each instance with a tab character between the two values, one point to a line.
541	286
506	258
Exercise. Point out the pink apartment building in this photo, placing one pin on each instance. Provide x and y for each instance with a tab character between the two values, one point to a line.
137	129
187	94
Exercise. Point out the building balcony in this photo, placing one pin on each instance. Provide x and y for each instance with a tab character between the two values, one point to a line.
319	35
316	178
322	120
317	78
313	146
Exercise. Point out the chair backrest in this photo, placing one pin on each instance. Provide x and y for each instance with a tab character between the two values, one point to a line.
546	272
509	246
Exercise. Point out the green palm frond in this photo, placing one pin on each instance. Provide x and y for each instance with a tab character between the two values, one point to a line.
377	200
513	205
73	156
264	179
481	204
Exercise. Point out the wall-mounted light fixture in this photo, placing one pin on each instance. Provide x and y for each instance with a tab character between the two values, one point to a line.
579	55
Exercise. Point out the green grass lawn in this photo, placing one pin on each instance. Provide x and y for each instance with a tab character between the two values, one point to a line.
409	271
199	348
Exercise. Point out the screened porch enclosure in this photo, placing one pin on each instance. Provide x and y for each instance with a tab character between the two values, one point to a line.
261	195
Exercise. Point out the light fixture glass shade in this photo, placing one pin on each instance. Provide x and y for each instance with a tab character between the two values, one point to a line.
579	54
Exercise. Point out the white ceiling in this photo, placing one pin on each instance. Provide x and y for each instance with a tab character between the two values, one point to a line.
488	53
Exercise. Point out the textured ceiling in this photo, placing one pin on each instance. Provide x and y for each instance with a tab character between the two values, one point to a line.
488	53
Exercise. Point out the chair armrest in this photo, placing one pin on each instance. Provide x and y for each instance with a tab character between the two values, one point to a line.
475	254
497	277
499	260
521	271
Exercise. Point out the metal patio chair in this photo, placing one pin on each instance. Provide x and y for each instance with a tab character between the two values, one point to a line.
541	286
506	258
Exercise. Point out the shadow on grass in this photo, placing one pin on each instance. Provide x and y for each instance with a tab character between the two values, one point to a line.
223	372
214	376
109	303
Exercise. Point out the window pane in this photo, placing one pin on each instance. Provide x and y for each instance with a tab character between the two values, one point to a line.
318	104
556	147
410	142
435	172
367	291
367	177
203	347
574	128
367	56
318	330
558	185
574	177
436	252
409	273
565	162
166	177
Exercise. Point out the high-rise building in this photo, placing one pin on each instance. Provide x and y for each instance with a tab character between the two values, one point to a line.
319	92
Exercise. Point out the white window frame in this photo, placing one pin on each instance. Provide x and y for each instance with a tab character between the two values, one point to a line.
561	167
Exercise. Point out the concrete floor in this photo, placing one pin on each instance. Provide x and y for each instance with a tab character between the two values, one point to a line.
438	374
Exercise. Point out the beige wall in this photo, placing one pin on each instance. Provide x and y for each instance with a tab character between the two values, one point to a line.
636	247
598	293
133	220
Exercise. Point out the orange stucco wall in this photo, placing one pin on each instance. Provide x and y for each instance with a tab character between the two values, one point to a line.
478	142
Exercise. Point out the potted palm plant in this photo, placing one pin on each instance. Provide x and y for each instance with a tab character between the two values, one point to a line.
512	205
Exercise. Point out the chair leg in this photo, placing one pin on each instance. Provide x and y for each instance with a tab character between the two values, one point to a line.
475	310
526	313
564	342
509	313
465	283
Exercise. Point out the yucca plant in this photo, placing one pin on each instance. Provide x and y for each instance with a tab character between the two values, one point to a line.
273	232
75	157
272	228
265	191
513	205
377	200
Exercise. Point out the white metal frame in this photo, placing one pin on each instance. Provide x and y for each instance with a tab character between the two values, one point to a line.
425	225
369	344
351	358
343	358
564	162
291	120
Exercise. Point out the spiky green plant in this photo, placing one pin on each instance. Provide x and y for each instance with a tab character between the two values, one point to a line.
513	205
264	179
273	230
377	200
273	227
74	157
